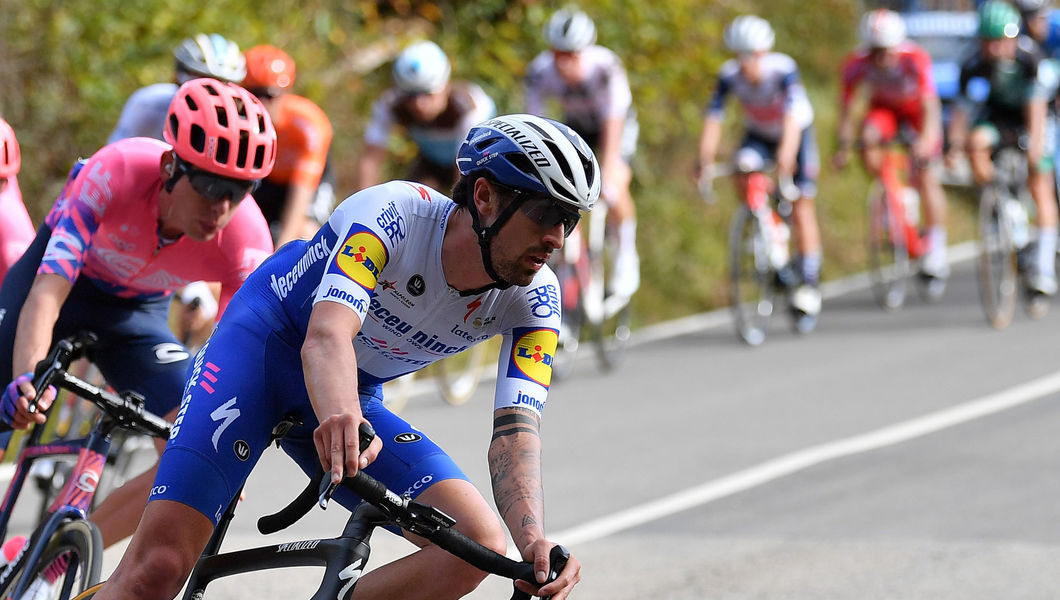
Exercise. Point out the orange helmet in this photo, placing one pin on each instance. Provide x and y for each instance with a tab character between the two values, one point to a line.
10	156
221	128
270	70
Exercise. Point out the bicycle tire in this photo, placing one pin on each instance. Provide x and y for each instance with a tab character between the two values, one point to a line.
611	338
79	539
996	261
888	254
751	285
458	376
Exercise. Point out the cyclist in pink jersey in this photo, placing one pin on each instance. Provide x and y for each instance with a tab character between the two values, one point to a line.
16	230
138	220
902	99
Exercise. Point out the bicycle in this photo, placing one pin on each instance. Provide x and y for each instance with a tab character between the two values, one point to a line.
760	269
588	306
345	557
1006	210
66	544
894	235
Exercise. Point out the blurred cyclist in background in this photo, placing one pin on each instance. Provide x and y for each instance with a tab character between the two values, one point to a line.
298	195
779	126
138	220
200	56
590	83
1019	102
16	228
434	112
902	100
1042	24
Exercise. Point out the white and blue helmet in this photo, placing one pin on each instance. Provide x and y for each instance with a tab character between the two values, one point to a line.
533	154
570	30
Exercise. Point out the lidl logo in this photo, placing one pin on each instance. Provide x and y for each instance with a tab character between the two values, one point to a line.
532	355
362	257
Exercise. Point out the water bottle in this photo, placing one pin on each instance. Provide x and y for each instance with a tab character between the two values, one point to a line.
779	235
1016	214
911	202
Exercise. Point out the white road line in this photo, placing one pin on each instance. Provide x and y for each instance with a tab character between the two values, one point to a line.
810	457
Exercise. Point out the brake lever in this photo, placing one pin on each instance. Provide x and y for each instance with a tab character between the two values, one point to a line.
327	488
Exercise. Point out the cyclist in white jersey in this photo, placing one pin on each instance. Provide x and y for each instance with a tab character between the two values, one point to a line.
409	277
435	112
200	56
778	120
591	85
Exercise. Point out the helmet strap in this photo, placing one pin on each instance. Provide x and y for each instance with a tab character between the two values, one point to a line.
485	236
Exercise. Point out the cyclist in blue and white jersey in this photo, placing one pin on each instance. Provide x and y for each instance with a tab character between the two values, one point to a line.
434	112
590	84
203	55
410	277
778	121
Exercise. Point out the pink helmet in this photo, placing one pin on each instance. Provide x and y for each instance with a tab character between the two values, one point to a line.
221	128
10	155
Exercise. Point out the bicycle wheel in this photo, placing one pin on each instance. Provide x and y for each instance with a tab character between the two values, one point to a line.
458	375
79	544
996	263
888	255
612	332
751	289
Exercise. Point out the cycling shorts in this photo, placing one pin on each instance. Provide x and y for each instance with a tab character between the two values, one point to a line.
996	130
890	122
757	150
242	383
136	349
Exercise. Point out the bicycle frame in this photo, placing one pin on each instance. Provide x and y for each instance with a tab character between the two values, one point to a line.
895	161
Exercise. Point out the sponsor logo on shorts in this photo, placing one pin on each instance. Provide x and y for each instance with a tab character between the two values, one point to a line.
408	437
532	355
226	414
241	450
361	258
170	352
419	485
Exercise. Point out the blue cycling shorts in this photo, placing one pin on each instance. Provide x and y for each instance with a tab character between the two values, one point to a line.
243	382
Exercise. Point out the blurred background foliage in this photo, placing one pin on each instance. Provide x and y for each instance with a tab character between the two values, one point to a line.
66	69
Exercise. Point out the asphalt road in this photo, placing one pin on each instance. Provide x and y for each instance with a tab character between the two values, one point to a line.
886	455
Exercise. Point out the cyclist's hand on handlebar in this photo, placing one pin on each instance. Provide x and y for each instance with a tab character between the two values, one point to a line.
337	442
538	552
14	406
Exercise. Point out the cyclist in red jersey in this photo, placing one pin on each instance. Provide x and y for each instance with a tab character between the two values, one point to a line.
16	230
902	98
296	197
136	221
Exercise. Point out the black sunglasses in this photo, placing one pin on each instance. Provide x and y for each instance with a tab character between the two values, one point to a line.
217	187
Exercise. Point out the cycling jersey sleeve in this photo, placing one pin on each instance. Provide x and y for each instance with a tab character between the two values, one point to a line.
363	251
925	74
524	371
78	215
621	98
306	131
850	77
716	108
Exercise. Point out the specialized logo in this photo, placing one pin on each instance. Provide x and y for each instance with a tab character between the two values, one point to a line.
227	415
407	437
170	352
242	450
416	285
472	307
424	194
303	545
362	257
532	354
351	573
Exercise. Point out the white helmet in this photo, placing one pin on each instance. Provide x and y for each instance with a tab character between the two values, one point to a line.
533	154
1032	6
881	28
210	56
749	34
570	30
421	68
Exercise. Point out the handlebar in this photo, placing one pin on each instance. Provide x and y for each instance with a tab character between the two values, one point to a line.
785	185
126	409
420	519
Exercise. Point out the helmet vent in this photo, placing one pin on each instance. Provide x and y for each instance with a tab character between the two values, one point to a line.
223	148
198	138
259	156
560	188
479	147
241	107
543	133
222	116
521	162
244	142
563	165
